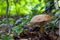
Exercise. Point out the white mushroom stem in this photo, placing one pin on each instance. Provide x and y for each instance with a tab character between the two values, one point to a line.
42	27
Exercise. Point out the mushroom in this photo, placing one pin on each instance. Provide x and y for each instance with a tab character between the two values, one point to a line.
42	18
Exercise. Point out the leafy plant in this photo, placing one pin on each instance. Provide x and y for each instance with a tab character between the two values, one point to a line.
11	20
6	37
17	29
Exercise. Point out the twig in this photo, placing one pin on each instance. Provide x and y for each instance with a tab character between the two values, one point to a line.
7	16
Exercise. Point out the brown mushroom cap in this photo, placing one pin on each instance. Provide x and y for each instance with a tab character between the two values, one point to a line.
40	18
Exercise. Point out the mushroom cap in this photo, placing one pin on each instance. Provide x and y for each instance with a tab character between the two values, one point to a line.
40	18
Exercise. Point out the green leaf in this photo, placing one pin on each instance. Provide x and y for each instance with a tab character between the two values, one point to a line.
59	3
6	37
11	20
18	29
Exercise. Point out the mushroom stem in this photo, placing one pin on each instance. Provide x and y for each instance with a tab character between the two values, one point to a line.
42	27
